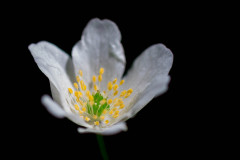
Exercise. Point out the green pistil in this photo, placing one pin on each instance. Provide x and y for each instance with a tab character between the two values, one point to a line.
97	108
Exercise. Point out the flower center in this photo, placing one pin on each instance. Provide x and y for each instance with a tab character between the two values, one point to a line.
97	107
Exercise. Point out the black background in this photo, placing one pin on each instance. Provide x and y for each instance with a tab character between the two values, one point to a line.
170	126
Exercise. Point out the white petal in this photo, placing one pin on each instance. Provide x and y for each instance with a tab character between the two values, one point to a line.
149	76
108	131
54	63
52	107
100	46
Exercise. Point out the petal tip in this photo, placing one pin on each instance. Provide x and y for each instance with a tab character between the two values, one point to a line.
52	107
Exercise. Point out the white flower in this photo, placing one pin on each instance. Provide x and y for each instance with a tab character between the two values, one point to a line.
88	88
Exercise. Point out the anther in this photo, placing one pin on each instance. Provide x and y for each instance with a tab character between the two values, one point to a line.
87	119
75	85
102	117
130	90
109	86
107	121
101	71
95	87
96	123
80	73
122	106
115	87
78	79
70	90
121	82
94	79
94	117
100	78
84	109
109	101
115	93
102	101
76	107
115	80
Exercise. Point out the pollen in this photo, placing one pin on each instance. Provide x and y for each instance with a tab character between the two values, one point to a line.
115	80
97	103
115	93
96	123
121	82
100	78
102	101
109	86
78	79
115	87
76	107
101	71
75	85
70	90
80	73
95	87
87	119
109	101
94	79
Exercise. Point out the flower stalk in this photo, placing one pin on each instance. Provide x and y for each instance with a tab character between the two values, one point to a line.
102	147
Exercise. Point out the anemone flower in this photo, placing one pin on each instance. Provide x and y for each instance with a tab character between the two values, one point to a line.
88	88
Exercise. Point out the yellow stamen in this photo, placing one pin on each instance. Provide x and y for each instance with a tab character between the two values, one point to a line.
84	87
127	95
115	100
95	87
101	71
84	109
121	82
80	73
76	107
111	112
122	106
96	123
102	117
94	79
102	101
115	93
70	90
94	117
78	94
123	93
80	112
115	115
115	80
81	102
88	93
100	78
115	87
91	103
90	98
109	101
107	121
109	86
87	119
130	90
78	79
117	112
75	85
104	111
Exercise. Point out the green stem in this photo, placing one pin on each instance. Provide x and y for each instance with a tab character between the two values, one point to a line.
102	147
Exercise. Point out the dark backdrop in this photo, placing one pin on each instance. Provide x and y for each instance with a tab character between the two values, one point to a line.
167	127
